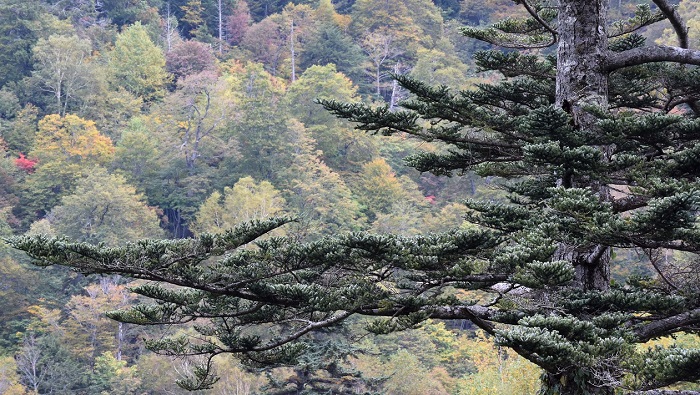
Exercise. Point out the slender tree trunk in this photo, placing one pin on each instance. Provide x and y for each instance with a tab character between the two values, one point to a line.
395	88
58	95
291	45
377	79
120	340
169	29
221	36
28	362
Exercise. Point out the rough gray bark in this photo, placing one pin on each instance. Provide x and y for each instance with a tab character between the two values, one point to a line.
583	67
581	54
582	81
669	325
661	53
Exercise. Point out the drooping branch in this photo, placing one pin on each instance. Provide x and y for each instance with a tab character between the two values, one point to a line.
654	257
333	320
651	54
536	16
676	20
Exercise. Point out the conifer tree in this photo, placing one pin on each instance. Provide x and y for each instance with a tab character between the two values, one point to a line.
598	147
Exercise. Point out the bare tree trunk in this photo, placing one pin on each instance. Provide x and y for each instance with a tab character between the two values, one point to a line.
58	99
168	29
377	79
221	36
28	362
120	340
291	45
581	57
395	88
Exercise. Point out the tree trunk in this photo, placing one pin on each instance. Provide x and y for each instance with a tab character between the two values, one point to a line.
291	47
221	28
120	340
395	88
169	29
581	54
582	81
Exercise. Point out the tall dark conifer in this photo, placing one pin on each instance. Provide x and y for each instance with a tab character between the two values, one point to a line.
599	147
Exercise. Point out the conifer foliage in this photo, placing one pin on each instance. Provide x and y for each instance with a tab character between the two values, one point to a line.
598	147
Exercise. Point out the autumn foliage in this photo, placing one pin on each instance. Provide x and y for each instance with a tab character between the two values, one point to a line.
25	163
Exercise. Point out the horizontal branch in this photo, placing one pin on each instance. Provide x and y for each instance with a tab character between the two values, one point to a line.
481	316
651	54
476	278
668	325
629	203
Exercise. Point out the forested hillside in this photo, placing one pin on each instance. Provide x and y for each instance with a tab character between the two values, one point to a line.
123	120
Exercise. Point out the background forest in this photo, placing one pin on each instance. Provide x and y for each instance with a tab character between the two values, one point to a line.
122	120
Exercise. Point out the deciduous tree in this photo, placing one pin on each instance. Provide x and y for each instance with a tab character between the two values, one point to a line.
137	65
267	41
61	66
9	379
237	24
18	32
66	148
342	149
247	200
188	58
318	195
88	331
104	209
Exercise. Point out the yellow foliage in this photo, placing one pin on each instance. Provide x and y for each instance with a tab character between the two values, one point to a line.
87	327
499	371
9	379
247	200
235	380
47	319
433	358
71	139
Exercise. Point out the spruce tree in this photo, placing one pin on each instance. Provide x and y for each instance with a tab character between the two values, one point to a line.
597	141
